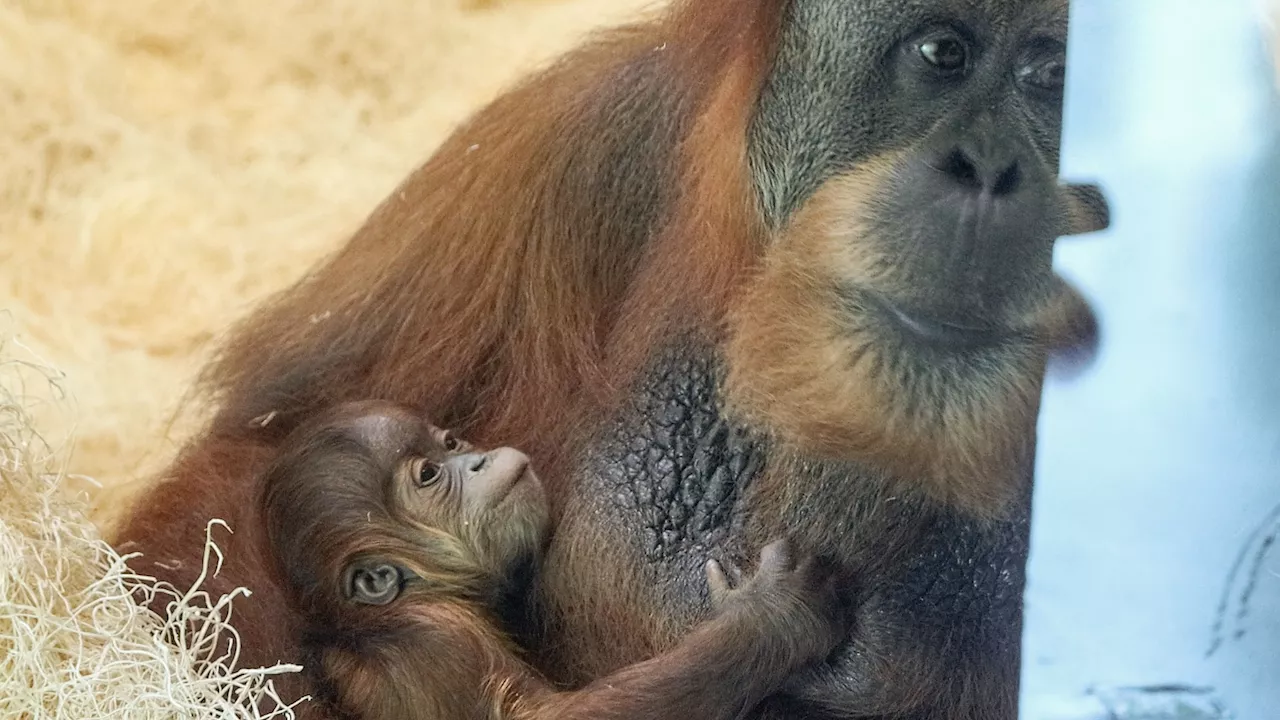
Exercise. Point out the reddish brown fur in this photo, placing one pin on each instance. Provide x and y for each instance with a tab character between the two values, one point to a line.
481	292
436	660
534	287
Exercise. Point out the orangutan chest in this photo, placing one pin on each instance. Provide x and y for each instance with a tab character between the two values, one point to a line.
938	595
670	467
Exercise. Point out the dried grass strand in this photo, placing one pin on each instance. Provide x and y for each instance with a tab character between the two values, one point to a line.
80	634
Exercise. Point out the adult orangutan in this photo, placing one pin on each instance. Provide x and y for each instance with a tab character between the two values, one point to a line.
753	268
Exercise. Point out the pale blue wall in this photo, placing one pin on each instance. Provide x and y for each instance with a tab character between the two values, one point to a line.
1157	464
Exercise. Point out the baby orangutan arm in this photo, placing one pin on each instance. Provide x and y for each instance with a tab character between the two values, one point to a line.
450	665
783	619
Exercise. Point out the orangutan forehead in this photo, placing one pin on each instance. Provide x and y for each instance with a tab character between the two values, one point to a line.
385	433
1050	15
965	8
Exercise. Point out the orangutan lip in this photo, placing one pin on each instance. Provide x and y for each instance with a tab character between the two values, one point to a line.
934	330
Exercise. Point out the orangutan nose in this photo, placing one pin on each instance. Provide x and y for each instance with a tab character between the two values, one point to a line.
982	166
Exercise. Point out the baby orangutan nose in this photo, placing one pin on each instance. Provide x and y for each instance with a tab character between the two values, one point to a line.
475	462
493	474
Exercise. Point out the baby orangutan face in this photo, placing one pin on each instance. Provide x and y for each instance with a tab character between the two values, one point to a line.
490	504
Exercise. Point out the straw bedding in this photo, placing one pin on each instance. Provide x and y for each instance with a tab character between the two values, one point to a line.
80	636
169	162
166	164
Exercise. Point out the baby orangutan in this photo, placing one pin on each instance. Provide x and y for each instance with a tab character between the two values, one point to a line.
403	547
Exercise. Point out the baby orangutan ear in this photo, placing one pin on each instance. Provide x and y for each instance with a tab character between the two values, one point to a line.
372	582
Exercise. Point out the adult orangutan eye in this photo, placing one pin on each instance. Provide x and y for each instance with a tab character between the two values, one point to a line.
947	52
1048	74
426	473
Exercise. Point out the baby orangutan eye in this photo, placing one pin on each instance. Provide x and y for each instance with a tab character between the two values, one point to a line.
450	441
425	473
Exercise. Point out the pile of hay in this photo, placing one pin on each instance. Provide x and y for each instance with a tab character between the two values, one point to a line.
78	637
166	163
